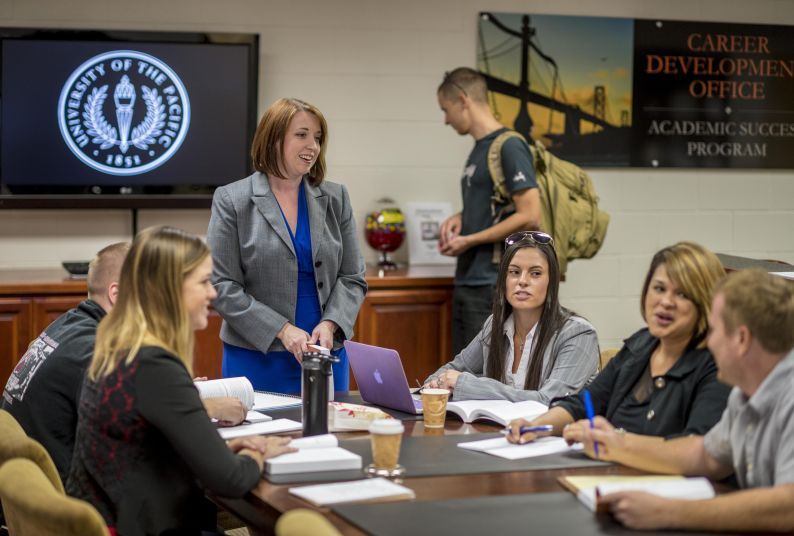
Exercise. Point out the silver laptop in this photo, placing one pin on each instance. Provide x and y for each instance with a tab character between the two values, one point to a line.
380	377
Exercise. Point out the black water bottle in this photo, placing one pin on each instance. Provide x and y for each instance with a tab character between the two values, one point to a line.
316	372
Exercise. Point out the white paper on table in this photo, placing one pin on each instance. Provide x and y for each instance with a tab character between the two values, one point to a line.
358	490
266	401
254	416
260	428
315	442
504	449
485	445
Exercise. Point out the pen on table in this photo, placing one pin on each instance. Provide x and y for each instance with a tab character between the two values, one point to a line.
536	429
588	407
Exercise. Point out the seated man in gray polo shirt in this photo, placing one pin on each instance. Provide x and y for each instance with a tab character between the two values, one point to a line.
752	339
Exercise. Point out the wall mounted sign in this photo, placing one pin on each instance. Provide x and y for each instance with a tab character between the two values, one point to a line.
644	93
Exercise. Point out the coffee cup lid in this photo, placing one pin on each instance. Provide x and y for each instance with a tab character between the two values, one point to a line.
429	391
386	426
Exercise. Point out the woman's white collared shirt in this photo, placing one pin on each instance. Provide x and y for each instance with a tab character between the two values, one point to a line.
517	380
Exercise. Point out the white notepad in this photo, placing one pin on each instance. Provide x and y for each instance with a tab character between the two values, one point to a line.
501	447
368	490
260	428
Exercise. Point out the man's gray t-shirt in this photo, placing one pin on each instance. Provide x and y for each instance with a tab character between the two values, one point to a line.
475	266
756	436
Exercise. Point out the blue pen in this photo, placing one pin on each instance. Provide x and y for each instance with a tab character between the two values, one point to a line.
588	407
527	429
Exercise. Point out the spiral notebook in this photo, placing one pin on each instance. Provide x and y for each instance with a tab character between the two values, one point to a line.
264	401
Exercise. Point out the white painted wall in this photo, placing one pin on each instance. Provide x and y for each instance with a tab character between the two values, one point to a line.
372	66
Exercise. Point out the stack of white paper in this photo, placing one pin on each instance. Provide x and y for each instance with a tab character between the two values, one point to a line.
316	453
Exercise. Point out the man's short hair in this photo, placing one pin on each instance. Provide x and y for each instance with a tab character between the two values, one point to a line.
762	302
105	268
464	80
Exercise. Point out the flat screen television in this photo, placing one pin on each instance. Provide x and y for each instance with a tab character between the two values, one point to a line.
122	118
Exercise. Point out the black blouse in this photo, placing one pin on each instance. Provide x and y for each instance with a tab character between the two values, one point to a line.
143	441
686	400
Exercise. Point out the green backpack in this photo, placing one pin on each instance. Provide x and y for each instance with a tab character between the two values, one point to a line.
569	204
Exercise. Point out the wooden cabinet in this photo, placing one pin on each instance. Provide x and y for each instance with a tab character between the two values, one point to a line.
29	301
47	309
15	327
208	353
407	309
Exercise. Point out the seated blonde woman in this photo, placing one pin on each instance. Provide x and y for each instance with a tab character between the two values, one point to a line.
663	382
538	349
144	441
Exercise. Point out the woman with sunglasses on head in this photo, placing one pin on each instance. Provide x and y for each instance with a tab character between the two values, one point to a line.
530	348
663	381
144	441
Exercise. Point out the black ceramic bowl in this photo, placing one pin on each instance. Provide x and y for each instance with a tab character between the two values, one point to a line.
76	268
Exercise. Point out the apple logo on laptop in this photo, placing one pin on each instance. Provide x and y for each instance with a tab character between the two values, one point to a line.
378	377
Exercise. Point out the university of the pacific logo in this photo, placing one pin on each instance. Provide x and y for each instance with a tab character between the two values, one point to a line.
124	112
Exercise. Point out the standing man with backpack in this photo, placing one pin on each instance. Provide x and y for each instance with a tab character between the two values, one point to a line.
475	234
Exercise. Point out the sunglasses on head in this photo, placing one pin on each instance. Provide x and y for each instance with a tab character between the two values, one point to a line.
535	237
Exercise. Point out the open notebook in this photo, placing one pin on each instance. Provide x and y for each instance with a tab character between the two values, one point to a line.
239	388
498	411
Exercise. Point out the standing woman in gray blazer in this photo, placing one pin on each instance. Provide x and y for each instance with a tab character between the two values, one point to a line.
288	269
530	348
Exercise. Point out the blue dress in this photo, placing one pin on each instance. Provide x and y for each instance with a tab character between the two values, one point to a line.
279	371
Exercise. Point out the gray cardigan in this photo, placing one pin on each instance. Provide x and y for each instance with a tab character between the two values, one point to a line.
256	270
575	344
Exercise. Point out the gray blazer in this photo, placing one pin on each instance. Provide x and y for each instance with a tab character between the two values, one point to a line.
575	344
256	269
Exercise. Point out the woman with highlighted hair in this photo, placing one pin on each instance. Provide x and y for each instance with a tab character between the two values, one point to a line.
663	381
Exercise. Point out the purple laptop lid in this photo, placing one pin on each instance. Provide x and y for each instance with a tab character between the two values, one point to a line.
380	377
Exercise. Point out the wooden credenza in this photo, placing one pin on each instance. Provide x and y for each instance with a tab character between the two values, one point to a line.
408	309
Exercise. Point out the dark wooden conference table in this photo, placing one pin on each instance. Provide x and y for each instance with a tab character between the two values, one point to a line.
260	508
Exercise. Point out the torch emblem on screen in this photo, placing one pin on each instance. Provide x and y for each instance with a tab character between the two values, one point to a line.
124	112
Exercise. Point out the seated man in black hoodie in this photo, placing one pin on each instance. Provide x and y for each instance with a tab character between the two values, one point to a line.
44	388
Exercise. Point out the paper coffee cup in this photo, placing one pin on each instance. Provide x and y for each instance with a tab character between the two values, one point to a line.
434	407
386	437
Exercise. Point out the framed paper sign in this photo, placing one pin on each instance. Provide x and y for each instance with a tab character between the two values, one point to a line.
423	223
